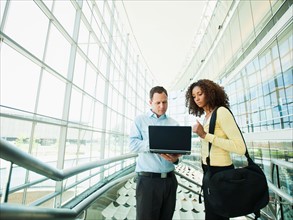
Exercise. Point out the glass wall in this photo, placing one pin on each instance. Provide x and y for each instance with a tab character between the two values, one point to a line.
256	69
69	82
261	94
251	55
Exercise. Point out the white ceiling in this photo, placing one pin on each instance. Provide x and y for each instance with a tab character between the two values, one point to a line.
164	31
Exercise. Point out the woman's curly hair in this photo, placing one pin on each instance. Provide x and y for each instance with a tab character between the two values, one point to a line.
215	96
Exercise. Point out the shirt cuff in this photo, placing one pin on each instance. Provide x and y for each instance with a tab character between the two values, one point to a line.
209	137
179	160
147	146
176	162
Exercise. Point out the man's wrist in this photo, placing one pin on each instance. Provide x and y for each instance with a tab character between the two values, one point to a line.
176	162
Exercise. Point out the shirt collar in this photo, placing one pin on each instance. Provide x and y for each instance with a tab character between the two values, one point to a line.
151	114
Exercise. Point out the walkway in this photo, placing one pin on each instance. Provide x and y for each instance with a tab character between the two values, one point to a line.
119	203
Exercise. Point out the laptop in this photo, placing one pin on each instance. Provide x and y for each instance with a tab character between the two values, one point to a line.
170	139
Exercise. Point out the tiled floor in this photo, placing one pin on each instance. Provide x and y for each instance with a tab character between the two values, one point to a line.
187	206
122	207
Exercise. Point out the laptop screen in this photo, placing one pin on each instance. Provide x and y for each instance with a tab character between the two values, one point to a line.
170	139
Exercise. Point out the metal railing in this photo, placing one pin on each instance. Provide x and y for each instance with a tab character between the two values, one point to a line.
282	199
16	156
279	197
9	211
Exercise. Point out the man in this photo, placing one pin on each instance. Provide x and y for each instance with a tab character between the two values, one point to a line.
156	183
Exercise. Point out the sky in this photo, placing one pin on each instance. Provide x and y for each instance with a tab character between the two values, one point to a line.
164	31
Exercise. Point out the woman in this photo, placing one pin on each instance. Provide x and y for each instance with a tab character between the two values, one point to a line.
202	97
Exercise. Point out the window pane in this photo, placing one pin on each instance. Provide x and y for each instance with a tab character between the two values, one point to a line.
66	19
246	23
16	131
46	143
58	51
51	96
27	25
19	83
75	106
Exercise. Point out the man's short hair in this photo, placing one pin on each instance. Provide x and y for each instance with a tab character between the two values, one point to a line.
157	89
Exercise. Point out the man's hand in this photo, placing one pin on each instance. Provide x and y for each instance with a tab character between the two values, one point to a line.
171	157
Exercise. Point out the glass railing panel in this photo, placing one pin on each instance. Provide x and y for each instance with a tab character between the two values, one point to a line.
283	178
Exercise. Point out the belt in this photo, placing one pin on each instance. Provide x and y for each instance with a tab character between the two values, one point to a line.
155	175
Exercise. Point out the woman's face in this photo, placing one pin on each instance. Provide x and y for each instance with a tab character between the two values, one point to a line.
199	97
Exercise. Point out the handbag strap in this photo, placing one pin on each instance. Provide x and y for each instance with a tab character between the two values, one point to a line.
212	130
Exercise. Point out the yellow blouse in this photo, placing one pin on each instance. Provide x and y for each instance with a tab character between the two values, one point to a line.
226	138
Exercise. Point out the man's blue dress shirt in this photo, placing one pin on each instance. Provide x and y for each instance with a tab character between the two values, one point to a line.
139	143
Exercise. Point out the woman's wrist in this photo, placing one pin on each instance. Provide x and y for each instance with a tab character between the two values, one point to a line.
203	135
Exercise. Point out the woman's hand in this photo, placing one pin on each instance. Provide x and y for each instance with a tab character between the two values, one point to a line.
198	129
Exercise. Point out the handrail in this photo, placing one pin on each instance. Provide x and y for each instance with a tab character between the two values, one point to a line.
87	201
10	211
280	193
282	163
187	178
10	153
283	197
16	156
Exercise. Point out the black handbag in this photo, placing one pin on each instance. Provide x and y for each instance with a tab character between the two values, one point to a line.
235	192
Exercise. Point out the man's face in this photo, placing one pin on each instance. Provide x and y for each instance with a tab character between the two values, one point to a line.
159	103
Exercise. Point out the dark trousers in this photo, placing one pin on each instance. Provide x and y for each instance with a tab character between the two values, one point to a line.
209	214
155	197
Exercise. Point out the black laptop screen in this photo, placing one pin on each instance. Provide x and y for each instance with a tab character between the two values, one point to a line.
170	138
